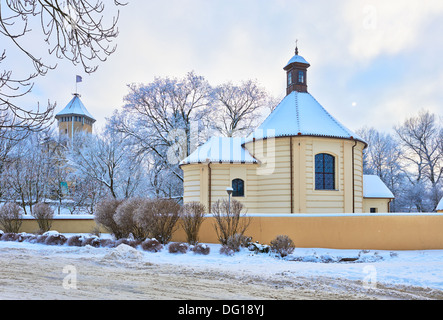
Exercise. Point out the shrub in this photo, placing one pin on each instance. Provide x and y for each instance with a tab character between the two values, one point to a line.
41	238
9	236
93	241
282	245
178	247
107	243
44	214
200	248
124	217
55	238
226	250
75	241
258	248
129	242
159	218
104	215
151	245
229	219
1	234
11	217
192	215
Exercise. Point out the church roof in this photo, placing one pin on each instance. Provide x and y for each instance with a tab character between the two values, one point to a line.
296	58
222	150
75	107
374	187
300	114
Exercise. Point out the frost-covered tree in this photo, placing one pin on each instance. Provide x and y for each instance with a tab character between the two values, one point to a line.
382	157
106	159
80	31
420	140
238	108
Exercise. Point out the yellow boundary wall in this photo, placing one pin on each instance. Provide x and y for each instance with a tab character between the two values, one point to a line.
339	231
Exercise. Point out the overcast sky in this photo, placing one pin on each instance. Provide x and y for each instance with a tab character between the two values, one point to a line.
373	62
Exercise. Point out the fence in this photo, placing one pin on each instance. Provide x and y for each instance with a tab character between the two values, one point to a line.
392	231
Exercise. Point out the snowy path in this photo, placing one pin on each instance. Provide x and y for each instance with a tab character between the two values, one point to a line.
35	271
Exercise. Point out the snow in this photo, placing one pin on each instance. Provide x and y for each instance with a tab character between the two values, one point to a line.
222	149
374	187
296	58
300	114
422	268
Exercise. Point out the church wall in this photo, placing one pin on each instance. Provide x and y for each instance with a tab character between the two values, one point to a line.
78	126
268	185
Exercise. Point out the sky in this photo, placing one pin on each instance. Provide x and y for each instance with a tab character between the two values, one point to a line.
373	63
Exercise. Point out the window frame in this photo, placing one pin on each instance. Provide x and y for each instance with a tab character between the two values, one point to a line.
325	172
236	192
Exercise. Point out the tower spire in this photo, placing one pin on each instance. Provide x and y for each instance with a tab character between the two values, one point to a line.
296	47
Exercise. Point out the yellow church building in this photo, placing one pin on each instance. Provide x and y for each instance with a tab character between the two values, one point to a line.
299	160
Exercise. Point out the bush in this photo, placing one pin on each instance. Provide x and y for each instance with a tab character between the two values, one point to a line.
104	215
124	217
159	218
236	241
44	214
151	245
93	241
226	250
192	215
54	238
128	242
200	248
75	241
11	217
229	219
282	245
178	247
107	243
258	248
9	236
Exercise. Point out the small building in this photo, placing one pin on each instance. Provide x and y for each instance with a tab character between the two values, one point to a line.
74	118
299	160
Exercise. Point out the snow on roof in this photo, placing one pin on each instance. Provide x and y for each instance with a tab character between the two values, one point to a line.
298	59
300	114
440	205
76	107
221	149
374	187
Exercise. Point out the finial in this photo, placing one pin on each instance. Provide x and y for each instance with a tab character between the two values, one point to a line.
296	47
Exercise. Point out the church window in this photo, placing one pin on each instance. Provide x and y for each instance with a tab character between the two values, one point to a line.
324	172
239	188
301	77
289	78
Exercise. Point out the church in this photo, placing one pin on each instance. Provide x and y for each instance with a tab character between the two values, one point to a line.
299	160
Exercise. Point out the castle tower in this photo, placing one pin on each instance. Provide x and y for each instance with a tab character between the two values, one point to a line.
74	118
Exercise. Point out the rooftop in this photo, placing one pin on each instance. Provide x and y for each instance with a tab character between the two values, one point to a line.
299	114
75	107
222	150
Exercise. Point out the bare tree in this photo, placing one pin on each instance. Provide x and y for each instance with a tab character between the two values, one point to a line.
239	107
420	138
71	29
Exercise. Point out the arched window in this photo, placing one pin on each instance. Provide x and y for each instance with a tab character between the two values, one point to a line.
239	188
324	172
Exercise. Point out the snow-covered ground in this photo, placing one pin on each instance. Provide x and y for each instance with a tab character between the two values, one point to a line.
369	269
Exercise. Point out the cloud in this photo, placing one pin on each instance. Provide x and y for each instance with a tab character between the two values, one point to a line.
387	27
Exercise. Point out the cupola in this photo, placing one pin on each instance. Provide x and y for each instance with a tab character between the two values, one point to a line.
296	70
